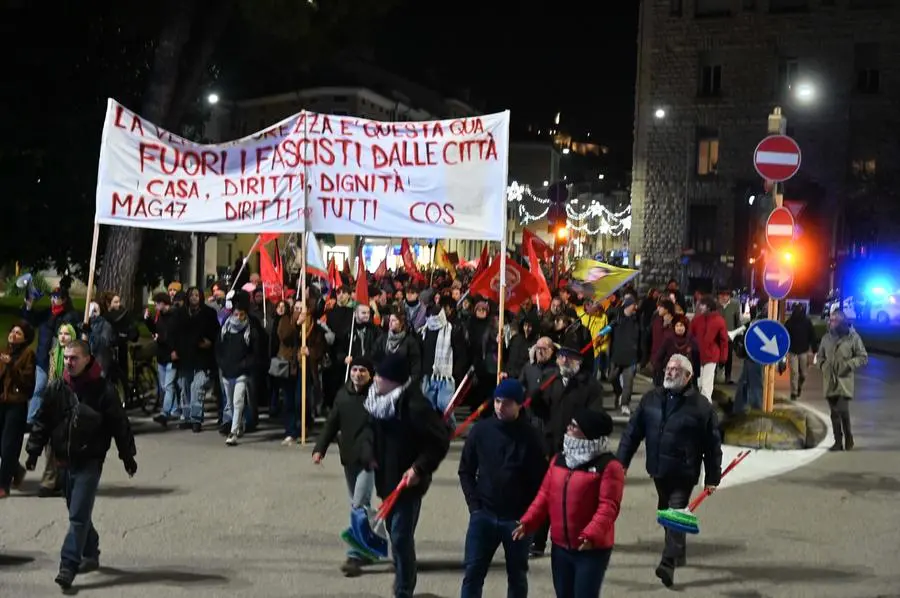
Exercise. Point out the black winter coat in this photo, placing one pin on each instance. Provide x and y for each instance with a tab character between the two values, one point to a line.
192	328
681	433
82	441
415	437
562	402
350	418
165	327
626	347
502	467
462	358
410	348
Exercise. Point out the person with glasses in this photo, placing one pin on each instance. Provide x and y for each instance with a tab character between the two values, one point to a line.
681	432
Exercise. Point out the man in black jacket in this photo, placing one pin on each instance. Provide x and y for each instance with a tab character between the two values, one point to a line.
411	440
803	343
80	416
350	418
500	471
625	353
163	327
198	328
682	432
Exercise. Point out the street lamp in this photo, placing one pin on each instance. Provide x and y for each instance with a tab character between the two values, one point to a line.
751	199
660	113
566	150
212	98
601	176
806	92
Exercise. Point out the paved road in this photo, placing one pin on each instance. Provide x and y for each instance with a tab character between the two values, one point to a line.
259	520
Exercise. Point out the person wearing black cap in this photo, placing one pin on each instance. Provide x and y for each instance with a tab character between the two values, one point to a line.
582	496
681	432
46	323
350	418
500	471
236	354
410	441
17	378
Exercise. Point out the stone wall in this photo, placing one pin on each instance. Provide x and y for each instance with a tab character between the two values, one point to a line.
749	45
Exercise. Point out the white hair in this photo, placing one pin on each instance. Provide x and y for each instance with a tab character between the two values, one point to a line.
684	362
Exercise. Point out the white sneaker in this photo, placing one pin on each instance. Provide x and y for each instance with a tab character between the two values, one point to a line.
626	411
231	440
288	441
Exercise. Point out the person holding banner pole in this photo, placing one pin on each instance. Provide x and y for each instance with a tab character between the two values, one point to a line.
237	276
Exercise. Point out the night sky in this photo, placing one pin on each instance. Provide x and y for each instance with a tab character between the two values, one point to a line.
578	58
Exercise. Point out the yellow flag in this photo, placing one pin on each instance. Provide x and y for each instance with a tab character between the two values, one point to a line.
441	260
600	280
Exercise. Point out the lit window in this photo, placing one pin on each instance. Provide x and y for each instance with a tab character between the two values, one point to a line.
707	156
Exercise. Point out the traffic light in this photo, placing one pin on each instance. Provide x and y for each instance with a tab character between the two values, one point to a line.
787	256
562	235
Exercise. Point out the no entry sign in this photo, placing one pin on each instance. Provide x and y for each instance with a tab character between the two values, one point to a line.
780	228
777	158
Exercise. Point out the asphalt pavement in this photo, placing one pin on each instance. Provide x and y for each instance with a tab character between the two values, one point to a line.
260	520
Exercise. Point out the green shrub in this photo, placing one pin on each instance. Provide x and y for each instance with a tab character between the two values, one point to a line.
37	281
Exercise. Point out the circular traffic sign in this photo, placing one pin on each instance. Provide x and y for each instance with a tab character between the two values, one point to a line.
777	158
767	342
780	229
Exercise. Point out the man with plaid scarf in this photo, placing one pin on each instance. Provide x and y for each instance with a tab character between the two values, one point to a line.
443	358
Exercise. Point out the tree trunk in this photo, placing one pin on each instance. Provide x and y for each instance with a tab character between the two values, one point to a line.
123	246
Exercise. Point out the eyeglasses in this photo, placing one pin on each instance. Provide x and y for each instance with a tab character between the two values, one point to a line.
674	369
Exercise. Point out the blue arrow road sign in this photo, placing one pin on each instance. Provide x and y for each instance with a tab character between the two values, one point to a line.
777	280
767	342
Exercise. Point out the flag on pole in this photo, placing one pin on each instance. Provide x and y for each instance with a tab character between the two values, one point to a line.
442	259
542	250
272	274
483	262
534	265
315	265
600	280
520	284
362	280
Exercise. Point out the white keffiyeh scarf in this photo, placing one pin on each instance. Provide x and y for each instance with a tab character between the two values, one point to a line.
383	406
579	451
443	350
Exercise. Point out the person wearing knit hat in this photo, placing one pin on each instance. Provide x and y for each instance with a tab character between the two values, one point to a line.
500	471
236	351
17	381
350	418
626	352
410	442
681	430
582	495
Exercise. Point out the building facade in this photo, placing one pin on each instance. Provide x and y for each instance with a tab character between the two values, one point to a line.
709	74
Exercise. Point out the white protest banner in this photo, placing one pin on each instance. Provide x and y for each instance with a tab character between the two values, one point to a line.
437	179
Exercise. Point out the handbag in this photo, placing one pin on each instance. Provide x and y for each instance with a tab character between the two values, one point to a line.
279	367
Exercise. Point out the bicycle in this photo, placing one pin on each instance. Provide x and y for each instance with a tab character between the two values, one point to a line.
141	388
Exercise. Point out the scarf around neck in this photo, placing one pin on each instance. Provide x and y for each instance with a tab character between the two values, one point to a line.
383	406
394	339
443	348
579	451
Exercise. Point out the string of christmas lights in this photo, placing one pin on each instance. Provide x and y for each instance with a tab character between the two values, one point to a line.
606	222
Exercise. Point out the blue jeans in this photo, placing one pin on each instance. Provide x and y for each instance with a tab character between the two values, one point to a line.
237	393
80	484
360	484
401	525
194	384
40	385
578	574
439	392
167	375
749	394
487	532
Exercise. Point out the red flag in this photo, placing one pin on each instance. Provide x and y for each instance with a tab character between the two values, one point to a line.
346	269
483	262
520	284
542	250
543	293
362	281
409	261
382	269
271	274
334	279
265	238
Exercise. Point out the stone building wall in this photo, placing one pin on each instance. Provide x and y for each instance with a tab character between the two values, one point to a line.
749	43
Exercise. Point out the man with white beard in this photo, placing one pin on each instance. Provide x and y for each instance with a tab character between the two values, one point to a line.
681	431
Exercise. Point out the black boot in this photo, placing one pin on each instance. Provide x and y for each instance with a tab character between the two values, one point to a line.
64	578
666	572
836	424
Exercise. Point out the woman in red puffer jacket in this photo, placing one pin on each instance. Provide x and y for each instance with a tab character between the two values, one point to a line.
581	493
